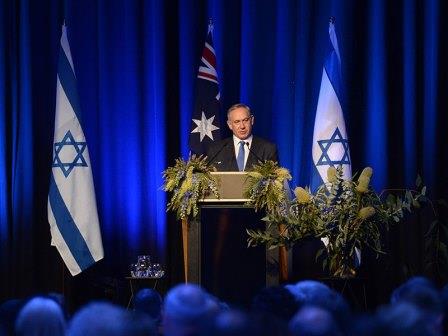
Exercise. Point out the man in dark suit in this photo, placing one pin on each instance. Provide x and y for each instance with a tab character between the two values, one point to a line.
243	150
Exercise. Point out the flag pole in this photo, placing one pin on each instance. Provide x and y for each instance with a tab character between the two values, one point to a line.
283	258
210	25
185	246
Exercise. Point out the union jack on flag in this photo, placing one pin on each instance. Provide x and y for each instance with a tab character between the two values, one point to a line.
207	69
205	126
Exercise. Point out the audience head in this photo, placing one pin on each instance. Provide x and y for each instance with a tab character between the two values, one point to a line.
231	323
405	319
313	321
318	294
421	292
39	317
60	300
148	301
138	324
97	318
277	301
100	318
185	310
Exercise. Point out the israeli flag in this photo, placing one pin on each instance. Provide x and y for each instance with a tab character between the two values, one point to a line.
330	144
72	211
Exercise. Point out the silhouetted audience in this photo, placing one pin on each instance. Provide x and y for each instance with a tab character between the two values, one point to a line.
266	324
40	317
307	308
149	301
106	319
186	310
421	292
406	319
60	300
138	324
230	323
315	293
366	325
313	321
277	301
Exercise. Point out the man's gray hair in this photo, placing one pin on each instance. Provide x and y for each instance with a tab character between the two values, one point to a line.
239	105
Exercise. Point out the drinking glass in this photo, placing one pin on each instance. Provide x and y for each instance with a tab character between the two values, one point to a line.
157	271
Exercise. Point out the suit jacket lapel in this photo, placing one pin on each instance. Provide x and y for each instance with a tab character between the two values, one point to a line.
229	157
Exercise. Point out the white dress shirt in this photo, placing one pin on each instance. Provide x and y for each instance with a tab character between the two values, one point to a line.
236	143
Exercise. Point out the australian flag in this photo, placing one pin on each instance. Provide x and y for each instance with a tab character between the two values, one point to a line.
205	126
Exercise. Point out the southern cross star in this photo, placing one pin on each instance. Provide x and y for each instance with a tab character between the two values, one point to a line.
204	127
336	139
71	158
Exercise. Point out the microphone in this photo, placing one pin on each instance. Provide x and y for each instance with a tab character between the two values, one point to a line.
255	154
209	161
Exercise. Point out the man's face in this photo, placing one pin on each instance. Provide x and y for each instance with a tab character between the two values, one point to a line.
240	122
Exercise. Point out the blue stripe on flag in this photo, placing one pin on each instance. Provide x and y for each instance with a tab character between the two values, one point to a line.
333	69
68	228
68	82
316	179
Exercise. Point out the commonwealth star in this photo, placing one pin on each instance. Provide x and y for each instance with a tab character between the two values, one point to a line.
204	127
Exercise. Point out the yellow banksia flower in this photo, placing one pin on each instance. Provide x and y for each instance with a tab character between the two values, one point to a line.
331	174
364	180
302	195
186	185
189	173
366	212
283	173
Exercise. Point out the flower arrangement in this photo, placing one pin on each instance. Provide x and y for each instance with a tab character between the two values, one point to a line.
265	186
189	181
348	214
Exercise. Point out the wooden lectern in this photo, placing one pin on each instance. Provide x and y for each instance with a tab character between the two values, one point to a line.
218	258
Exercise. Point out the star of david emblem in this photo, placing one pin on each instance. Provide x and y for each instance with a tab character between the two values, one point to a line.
336	139
204	127
68	154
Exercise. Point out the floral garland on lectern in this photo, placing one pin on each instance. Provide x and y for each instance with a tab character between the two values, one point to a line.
189	181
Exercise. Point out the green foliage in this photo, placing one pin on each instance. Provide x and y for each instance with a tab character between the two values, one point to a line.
189	181
348	214
265	186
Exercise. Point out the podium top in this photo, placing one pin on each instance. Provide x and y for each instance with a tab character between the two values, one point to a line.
231	186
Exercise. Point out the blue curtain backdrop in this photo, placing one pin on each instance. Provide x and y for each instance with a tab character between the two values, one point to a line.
136	63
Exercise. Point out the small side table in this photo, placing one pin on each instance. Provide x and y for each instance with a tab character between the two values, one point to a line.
136	283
